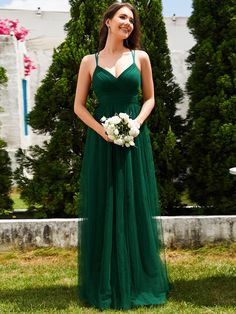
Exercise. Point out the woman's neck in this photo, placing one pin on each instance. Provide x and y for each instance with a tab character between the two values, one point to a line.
114	46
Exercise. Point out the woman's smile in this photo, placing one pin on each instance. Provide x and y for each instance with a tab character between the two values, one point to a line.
124	19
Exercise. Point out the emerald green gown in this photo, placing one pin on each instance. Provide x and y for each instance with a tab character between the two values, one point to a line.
121	257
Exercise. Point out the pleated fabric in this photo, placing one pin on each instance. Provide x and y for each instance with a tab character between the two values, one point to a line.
121	252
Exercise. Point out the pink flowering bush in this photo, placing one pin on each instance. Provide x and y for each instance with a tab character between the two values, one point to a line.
28	65
10	27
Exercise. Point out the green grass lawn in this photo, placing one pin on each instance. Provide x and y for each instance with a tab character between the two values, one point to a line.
43	281
18	202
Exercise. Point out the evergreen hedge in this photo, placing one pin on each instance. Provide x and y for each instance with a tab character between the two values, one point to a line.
166	127
211	136
5	166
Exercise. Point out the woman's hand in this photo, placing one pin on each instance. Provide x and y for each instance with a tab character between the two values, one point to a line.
103	134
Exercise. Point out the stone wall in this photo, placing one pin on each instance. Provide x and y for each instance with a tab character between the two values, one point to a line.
179	231
190	231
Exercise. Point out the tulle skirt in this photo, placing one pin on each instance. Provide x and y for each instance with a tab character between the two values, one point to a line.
121	252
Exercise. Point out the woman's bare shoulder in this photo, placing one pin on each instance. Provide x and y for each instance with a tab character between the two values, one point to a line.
88	63
142	59
142	55
88	59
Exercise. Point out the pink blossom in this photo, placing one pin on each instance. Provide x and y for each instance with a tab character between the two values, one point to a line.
21	34
28	65
7	26
4	30
12	24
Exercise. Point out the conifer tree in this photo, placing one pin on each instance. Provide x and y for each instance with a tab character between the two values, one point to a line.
165	126
55	167
211	134
5	166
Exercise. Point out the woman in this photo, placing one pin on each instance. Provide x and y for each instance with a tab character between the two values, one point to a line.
120	265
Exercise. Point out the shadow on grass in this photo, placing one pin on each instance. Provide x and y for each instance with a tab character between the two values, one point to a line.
209	292
28	299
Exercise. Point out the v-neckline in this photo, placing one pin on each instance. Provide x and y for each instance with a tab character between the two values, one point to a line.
115	77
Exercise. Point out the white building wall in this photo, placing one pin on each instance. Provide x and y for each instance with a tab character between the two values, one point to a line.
9	95
180	41
12	128
46	32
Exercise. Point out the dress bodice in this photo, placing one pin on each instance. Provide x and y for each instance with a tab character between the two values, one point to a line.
124	88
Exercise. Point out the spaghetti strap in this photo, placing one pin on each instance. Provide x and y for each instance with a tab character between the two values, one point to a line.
96	58
133	55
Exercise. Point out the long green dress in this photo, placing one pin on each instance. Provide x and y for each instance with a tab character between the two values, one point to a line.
120	256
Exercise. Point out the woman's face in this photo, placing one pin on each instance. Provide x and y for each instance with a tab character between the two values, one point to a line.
122	23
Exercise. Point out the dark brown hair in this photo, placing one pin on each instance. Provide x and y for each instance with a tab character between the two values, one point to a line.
133	41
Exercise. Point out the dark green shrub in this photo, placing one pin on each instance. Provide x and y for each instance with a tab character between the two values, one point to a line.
211	136
5	166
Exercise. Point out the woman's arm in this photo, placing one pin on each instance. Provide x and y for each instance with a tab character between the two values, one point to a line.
147	87
82	90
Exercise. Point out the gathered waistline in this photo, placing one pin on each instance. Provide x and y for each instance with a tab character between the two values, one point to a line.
117	101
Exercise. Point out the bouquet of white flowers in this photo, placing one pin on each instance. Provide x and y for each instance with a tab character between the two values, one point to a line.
121	129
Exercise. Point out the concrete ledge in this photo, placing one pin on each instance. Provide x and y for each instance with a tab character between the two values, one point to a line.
192	231
179	231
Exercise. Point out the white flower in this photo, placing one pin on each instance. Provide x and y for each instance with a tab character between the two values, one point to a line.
103	119
119	141
116	131
112	137
109	131
128	138
124	116
115	119
134	132
105	124
111	126
128	144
